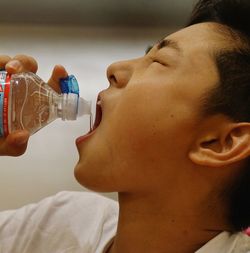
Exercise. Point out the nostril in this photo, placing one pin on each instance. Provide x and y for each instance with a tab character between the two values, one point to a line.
119	74
112	79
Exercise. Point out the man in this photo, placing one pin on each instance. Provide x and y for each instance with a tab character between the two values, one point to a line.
172	137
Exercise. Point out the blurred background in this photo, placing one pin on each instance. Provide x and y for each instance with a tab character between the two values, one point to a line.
85	36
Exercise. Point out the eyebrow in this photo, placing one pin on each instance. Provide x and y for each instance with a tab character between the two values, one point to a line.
169	43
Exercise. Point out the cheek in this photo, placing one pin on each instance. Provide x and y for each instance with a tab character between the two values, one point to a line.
145	150
145	126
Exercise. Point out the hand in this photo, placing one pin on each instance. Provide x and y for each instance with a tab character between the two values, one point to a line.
15	143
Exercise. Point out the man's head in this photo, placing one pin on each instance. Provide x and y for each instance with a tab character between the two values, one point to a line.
158	135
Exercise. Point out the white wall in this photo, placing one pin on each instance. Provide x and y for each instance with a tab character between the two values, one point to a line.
47	166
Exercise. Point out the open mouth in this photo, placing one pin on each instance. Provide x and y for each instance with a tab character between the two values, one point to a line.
98	119
98	114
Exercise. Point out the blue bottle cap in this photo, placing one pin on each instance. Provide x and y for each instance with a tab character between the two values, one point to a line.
69	85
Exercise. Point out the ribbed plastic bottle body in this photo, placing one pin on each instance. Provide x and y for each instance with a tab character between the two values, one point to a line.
27	102
32	103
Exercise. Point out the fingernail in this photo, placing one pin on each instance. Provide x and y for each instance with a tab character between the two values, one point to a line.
14	64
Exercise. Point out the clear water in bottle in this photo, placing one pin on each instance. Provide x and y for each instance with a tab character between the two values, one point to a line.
31	104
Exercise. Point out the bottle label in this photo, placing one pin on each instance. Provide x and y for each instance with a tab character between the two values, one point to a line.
4	99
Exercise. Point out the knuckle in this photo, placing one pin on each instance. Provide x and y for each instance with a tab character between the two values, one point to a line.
28	62
24	59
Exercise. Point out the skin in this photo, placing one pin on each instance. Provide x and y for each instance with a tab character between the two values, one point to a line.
167	162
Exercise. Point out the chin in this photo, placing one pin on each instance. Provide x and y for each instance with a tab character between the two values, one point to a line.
92	178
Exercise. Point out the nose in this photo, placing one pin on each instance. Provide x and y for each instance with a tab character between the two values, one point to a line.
119	73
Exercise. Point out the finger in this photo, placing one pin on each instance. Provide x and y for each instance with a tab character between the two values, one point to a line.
3	61
22	63
58	73
14	66
15	144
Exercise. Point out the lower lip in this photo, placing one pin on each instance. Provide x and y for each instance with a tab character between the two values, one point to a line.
81	139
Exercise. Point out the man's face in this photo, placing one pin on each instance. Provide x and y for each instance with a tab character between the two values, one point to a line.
150	113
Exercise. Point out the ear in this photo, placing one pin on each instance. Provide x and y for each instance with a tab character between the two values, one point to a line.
222	147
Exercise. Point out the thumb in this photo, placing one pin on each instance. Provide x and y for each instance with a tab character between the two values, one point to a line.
58	72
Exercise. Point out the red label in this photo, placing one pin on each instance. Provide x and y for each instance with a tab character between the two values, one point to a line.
5	106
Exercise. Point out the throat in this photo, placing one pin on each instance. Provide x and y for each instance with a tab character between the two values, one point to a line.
141	230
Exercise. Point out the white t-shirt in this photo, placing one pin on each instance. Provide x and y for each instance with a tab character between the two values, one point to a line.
80	222
69	222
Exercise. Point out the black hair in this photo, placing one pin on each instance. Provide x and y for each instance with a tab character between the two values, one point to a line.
231	96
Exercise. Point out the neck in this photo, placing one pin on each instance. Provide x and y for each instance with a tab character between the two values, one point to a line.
155	225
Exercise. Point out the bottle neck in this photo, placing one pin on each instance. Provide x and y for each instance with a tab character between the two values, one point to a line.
70	106
67	106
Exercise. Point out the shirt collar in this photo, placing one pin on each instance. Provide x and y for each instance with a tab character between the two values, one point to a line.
226	242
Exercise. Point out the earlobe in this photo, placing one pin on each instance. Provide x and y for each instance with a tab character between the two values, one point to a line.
223	148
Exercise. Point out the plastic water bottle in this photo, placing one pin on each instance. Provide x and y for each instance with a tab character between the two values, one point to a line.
27	102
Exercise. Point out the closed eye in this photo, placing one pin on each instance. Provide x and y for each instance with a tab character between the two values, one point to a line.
160	62
153	58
